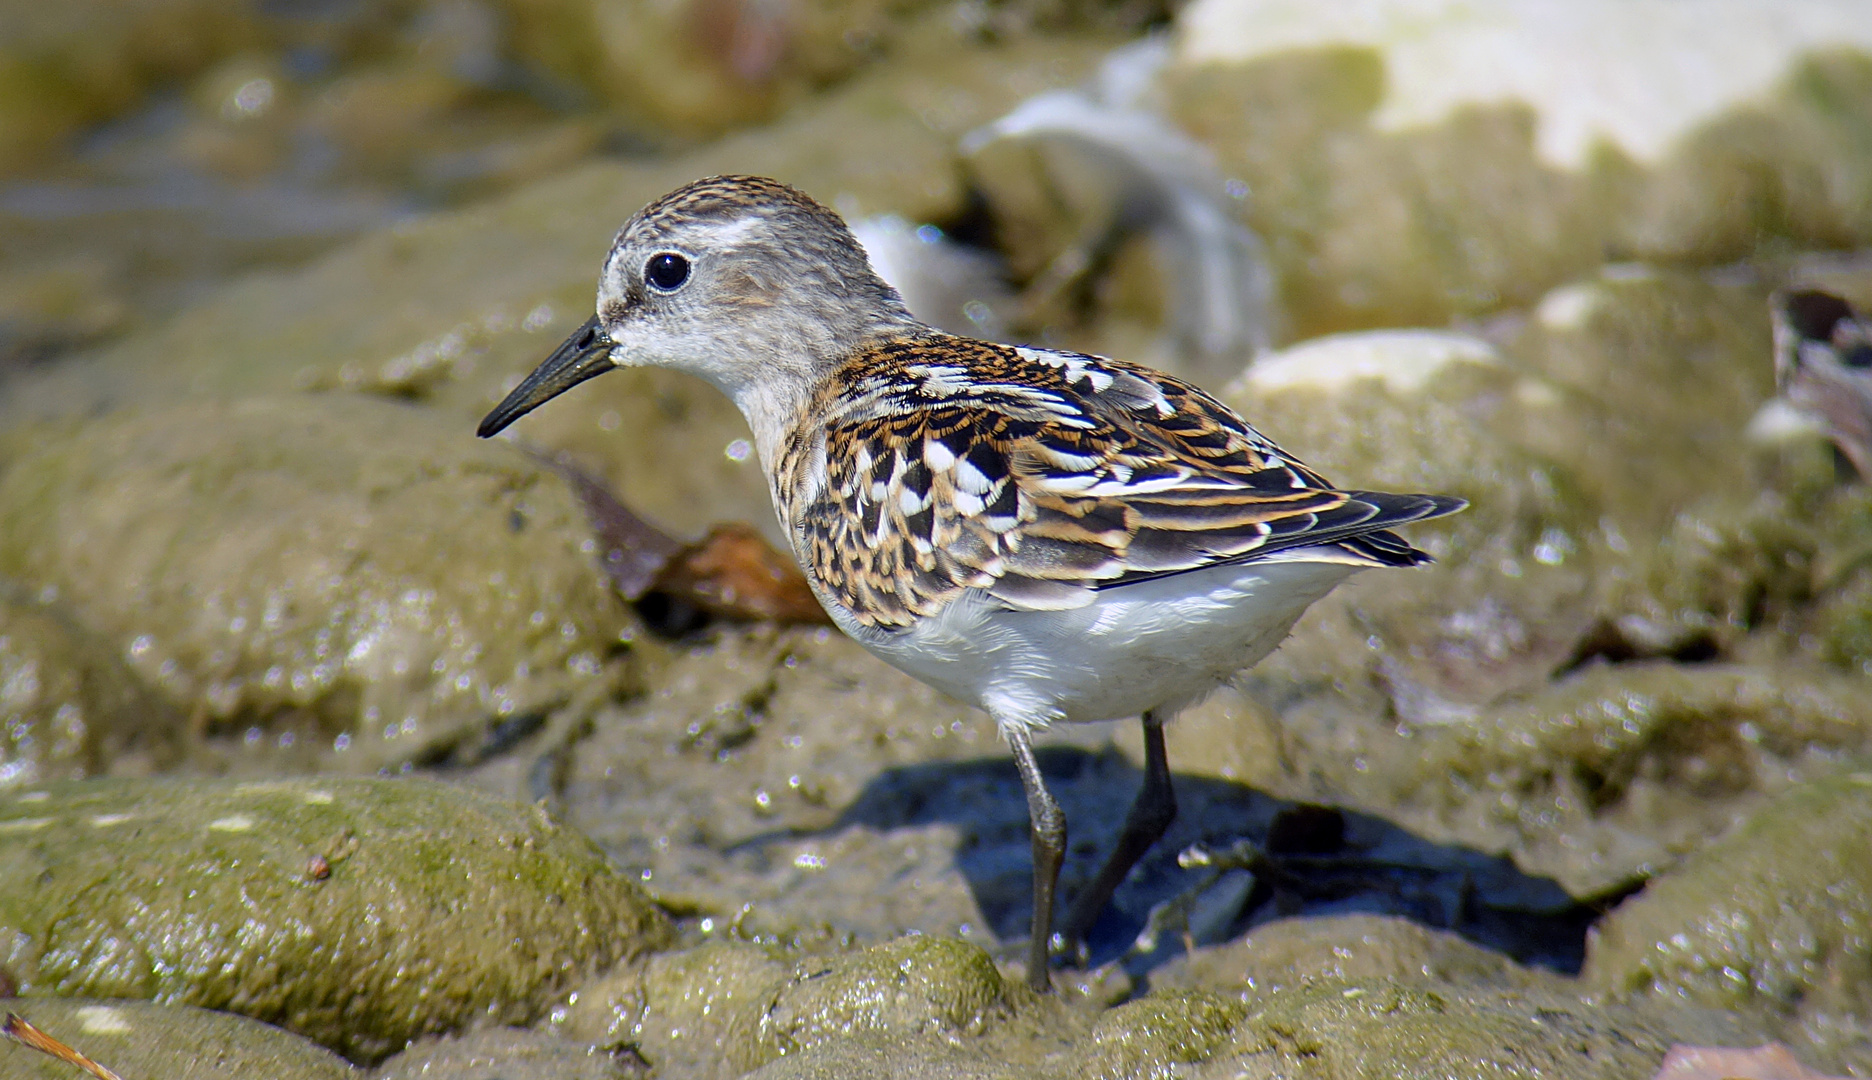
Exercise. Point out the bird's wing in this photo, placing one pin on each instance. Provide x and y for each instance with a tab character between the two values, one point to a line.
939	464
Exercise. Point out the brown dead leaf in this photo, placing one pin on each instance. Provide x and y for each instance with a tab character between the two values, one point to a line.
17	1028
1771	1062
733	573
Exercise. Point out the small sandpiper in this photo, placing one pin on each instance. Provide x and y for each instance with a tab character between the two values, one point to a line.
1046	535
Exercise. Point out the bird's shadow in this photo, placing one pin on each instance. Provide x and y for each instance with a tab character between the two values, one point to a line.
1301	860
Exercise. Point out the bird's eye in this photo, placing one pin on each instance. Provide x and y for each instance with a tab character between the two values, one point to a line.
667	271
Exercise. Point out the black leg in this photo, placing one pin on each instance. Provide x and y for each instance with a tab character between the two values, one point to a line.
1151	814
1048	824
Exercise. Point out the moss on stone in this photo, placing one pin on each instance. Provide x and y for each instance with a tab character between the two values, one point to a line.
68	706
911	985
359	913
1289	952
697	1012
1379	1029
329	571
1151	1036
174	1042
506	1054
722	1009
1774	919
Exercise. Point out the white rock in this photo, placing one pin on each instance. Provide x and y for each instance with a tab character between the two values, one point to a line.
1638	74
1404	360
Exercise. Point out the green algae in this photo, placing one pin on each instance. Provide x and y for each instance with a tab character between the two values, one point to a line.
696	1012
910	986
1609	775
1774	920
506	1054
896	1059
922	1007
175	1042
1841	619
326	571
1151	1036
1373	1029
358	913
1288	952
69	708
1599	780
723	1009
1623	645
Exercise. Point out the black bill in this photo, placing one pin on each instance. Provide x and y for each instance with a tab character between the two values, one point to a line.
584	355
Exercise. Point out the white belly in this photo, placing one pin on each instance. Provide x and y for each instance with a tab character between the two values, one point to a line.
1158	644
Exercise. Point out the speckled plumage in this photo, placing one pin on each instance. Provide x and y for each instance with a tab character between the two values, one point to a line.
929	464
1047	535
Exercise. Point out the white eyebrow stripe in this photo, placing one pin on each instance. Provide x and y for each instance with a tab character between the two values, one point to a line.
730	233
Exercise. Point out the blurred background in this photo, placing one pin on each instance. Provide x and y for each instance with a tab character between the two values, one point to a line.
265	263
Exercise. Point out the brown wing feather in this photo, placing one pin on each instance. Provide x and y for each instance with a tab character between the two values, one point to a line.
1040	477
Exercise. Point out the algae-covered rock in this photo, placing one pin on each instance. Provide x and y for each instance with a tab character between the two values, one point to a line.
1665	369
1609	775
1154	1034
1288	952
1619	520
1773	920
861	1058
1840	620
175	1042
327	570
723	1009
1600	780
69	708
694	1013
913	985
1373	1028
505	1054
929	1008
358	913
1336	1029
1401	173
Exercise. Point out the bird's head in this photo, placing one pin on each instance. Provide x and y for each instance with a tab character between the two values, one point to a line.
742	280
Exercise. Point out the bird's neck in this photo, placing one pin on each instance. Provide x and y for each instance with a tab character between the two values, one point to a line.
788	396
